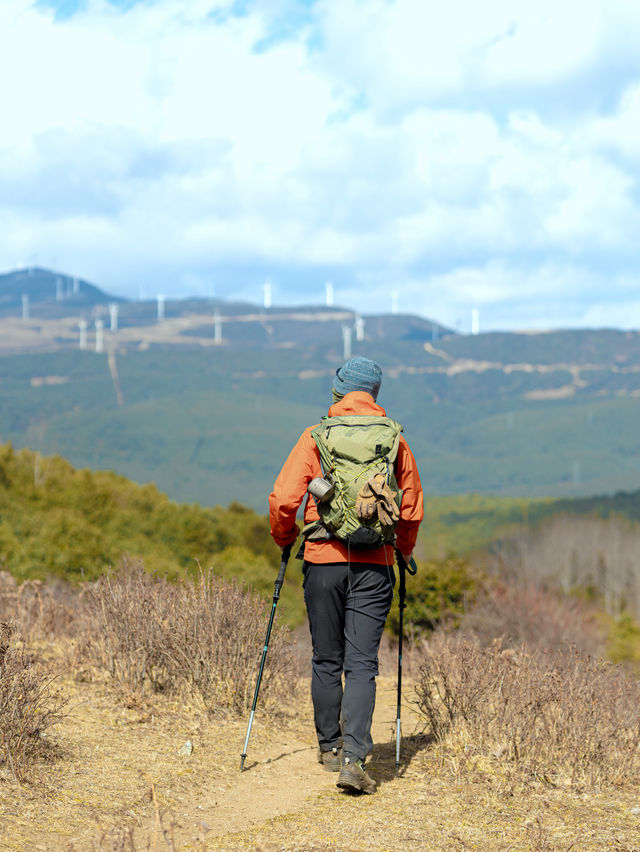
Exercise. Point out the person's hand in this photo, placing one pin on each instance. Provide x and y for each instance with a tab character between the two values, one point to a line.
406	557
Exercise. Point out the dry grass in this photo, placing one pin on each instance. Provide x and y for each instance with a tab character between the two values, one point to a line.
121	784
37	610
529	751
205	634
560	717
29	706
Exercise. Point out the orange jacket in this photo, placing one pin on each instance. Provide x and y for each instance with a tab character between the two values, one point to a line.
303	465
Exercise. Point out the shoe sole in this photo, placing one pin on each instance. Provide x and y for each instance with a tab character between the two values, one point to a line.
355	783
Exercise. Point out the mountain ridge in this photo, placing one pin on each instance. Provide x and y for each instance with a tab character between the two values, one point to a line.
209	414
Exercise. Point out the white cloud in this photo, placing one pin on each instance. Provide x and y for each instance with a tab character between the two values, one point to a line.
620	131
484	152
544	42
412	52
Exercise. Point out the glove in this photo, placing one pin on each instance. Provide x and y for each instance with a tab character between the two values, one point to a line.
366	503
388	511
375	496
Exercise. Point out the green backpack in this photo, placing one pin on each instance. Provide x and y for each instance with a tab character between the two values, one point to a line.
353	449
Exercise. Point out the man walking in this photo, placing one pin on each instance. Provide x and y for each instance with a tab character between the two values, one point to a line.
348	588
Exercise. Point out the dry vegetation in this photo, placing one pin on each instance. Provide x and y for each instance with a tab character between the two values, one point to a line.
590	554
506	746
200	635
560	717
196	638
29	706
524	613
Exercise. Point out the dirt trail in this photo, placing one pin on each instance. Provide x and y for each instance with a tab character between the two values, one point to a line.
281	774
276	781
121	778
122	781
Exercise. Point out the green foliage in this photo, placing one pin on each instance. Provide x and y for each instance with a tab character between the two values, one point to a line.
439	591
623	644
259	572
466	523
55	520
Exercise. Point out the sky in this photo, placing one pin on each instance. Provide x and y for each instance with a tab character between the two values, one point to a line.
438	157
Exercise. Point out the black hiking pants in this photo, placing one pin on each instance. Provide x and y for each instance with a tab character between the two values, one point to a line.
347	607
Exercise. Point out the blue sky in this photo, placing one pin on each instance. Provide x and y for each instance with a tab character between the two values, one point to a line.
462	155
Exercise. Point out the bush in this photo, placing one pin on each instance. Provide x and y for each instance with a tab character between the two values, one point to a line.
439	592
205	634
56	520
28	706
520	613
623	641
38	610
557	717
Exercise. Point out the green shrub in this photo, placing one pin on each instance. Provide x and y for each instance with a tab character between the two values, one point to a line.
56	520
439	591
623	641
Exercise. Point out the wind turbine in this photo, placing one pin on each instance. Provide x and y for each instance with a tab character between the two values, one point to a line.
267	289
328	294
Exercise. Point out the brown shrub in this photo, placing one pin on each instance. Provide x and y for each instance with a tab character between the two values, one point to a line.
558	717
524	613
28	705
39	610
204	633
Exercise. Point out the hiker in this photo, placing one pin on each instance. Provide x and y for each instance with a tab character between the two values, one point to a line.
348	587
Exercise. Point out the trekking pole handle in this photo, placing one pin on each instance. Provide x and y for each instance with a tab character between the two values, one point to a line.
410	566
286	552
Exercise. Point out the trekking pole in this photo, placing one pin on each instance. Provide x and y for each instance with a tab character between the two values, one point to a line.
276	595
411	568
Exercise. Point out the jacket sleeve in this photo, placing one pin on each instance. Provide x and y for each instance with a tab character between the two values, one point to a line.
289	490
412	507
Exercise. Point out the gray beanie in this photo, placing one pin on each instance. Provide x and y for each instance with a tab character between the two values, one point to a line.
358	374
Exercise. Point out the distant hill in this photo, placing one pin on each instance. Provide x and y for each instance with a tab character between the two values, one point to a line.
50	294
53	297
57	521
209	409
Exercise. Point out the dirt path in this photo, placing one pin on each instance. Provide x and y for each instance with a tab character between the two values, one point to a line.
281	775
121	778
276	781
122	782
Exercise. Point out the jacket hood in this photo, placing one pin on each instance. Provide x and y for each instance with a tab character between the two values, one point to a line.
356	402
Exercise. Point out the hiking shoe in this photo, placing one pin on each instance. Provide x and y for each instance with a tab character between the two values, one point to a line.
331	760
353	777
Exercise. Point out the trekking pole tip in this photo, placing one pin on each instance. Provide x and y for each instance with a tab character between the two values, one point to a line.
242	757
